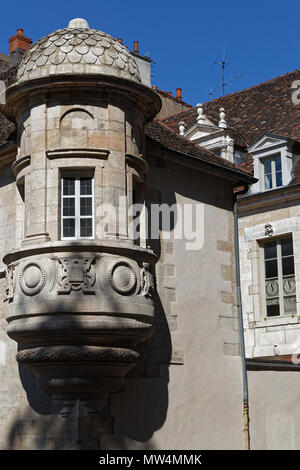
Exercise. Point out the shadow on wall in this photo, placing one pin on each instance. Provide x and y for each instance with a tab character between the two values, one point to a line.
41	425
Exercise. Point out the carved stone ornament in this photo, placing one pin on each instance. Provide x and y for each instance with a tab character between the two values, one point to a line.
268	230
147	281
32	278
122	277
9	283
76	273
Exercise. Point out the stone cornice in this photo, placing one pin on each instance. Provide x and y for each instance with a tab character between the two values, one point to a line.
266	199
89	246
139	95
78	152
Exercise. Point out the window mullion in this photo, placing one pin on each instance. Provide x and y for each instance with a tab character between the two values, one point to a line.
273	170
77	208
280	278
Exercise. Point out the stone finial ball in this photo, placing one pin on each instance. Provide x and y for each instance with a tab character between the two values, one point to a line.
78	23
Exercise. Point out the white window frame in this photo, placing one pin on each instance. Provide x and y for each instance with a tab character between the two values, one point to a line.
77	217
280	278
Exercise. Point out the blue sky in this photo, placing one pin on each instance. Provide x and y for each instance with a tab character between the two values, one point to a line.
259	39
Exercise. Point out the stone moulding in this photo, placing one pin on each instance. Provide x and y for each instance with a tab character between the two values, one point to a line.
138	163
77	153
20	164
82	353
119	247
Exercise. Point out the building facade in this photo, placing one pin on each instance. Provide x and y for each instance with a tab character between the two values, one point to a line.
112	336
258	128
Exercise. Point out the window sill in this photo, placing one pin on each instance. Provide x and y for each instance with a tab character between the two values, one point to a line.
286	320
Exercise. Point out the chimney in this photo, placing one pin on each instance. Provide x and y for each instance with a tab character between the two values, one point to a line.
19	41
120	40
179	94
136	47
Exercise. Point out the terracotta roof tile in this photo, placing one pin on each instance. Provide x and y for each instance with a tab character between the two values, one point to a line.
267	107
162	134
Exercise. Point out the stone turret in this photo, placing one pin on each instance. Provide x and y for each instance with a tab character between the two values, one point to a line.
77	297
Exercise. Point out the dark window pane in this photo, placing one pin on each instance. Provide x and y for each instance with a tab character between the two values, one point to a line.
286	247
69	206
270	250
278	163
68	187
290	305
85	186
267	164
288	265
271	268
278	178
86	228
69	227
85	206
273	308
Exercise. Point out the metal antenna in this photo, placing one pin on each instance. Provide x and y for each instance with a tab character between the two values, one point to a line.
223	64
213	91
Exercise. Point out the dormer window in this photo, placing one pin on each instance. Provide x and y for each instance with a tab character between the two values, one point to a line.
273	162
272	172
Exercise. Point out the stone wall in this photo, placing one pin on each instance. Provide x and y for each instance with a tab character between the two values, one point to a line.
263	333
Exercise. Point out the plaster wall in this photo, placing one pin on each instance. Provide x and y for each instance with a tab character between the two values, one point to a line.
274	410
195	402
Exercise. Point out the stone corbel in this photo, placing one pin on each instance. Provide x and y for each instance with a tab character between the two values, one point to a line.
139	164
20	164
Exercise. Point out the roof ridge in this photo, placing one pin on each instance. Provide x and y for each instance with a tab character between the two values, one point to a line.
229	95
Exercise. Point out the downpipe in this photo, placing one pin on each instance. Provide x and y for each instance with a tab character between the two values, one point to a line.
241	323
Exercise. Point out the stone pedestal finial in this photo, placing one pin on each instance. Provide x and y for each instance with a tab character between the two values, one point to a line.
222	122
181	128
200	117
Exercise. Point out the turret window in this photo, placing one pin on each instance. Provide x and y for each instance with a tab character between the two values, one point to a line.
77	207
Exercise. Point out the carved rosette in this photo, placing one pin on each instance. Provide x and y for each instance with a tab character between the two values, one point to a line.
122	277
32	278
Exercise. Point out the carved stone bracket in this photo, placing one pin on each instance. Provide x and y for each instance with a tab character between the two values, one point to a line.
76	273
9	283
147	281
